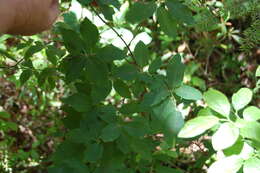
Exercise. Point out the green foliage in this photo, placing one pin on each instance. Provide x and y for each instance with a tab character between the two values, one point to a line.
228	132
141	101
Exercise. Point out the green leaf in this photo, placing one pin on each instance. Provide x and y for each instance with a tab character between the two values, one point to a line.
162	110
252	165
257	73
250	129
121	88
180	12
115	3
174	122
197	126
84	2
241	98
72	41
25	76
4	114
70	18
52	54
79	101
6	54
140	11
143	148
107	113
136	128
142	54
93	152
198	82
164	169
100	90
168	118
175	71
126	72
89	33
130	108
226	165
107	11
110	53
11	126
205	112
167	24
155	65
73	68
155	97
188	93
110	133
251	113
235	149
248	150
76	165
45	74
96	71
33	49
217	101
225	137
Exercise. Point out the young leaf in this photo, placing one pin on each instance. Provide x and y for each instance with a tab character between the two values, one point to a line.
217	101
188	93
225	137
167	24
197	126
251	113
141	53
140	11
110	133
252	165
175	71
241	98
226	165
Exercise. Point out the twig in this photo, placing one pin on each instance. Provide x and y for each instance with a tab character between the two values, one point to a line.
9	67
127	46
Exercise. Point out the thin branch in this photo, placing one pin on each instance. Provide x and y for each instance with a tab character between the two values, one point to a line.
127	46
14	66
